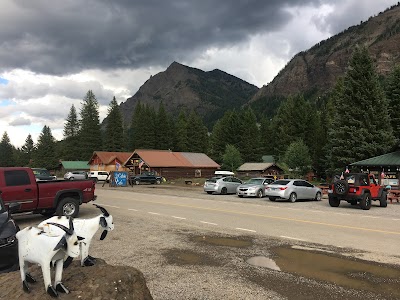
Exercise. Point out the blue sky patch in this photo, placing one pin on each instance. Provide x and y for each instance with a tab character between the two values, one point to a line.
6	102
3	81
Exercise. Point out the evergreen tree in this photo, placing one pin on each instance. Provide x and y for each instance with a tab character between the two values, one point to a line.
27	151
181	133
148	128
70	149
232	158
114	133
393	97
90	136
7	158
249	137
266	134
163	130
197	134
297	158
361	125
135	130
44	156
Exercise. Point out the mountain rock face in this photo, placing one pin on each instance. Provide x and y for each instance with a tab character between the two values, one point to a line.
315	71
209	94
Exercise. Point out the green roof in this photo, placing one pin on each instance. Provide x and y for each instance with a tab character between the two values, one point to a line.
268	159
389	159
75	165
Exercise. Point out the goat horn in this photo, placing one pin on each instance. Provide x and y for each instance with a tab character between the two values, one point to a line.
67	230
103	210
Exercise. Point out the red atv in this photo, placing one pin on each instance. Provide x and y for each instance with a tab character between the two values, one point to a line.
356	188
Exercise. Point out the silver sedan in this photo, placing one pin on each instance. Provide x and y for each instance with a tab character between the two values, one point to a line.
292	190
222	185
254	187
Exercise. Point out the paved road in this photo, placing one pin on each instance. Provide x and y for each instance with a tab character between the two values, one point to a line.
376	230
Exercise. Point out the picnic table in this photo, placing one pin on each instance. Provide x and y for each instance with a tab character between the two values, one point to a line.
393	195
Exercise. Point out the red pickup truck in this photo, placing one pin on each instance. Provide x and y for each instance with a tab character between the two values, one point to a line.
59	197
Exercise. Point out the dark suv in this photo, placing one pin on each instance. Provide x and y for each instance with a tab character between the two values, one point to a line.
356	188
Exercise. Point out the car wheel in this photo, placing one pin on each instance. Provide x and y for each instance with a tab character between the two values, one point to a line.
71	178
240	196
341	187
137	182
334	202
272	199
68	207
365	202
318	196
209	193
293	197
95	180
158	181
383	199
259	194
224	191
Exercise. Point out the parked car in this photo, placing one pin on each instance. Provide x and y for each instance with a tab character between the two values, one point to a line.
43	174
254	187
222	185
98	176
8	241
292	189
74	175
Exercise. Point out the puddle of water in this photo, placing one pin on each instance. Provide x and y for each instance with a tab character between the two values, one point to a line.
348	273
217	241
262	261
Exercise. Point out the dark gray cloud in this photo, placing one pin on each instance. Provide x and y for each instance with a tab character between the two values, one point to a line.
69	36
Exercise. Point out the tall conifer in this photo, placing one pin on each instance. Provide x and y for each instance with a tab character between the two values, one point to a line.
114	133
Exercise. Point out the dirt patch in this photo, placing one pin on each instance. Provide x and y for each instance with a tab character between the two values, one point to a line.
237	242
100	281
188	257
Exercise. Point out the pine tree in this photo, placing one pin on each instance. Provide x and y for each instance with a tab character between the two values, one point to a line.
136	127
27	151
163	130
197	134
90	136
70	149
181	133
7	158
114	129
44	156
361	126
393	97
249	137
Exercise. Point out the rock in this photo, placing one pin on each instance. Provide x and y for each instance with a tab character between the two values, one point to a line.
101	281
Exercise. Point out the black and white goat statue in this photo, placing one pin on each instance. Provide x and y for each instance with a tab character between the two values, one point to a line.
38	247
85	228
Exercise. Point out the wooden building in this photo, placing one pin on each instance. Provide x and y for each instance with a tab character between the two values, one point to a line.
108	161
385	167
171	165
259	170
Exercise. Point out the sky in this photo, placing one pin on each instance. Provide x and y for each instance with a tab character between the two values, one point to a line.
53	52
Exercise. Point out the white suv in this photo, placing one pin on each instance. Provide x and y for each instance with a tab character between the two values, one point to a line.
98	175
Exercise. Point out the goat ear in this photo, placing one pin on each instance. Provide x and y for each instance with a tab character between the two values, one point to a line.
103	210
61	244
80	238
103	222
67	230
103	235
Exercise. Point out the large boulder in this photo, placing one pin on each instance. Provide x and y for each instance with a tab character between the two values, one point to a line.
100	281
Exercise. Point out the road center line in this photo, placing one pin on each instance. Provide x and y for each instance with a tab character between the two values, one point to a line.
180	218
291	238
132	209
244	229
369	217
204	222
109	205
153	213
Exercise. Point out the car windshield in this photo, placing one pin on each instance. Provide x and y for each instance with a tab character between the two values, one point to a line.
41	172
280	182
213	179
255	181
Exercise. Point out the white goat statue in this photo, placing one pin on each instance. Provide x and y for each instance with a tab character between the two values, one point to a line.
37	247
85	228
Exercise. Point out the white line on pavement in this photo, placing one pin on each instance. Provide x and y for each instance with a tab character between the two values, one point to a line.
109	205
132	209
369	217
153	213
396	219
244	229
180	218
204	222
291	238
